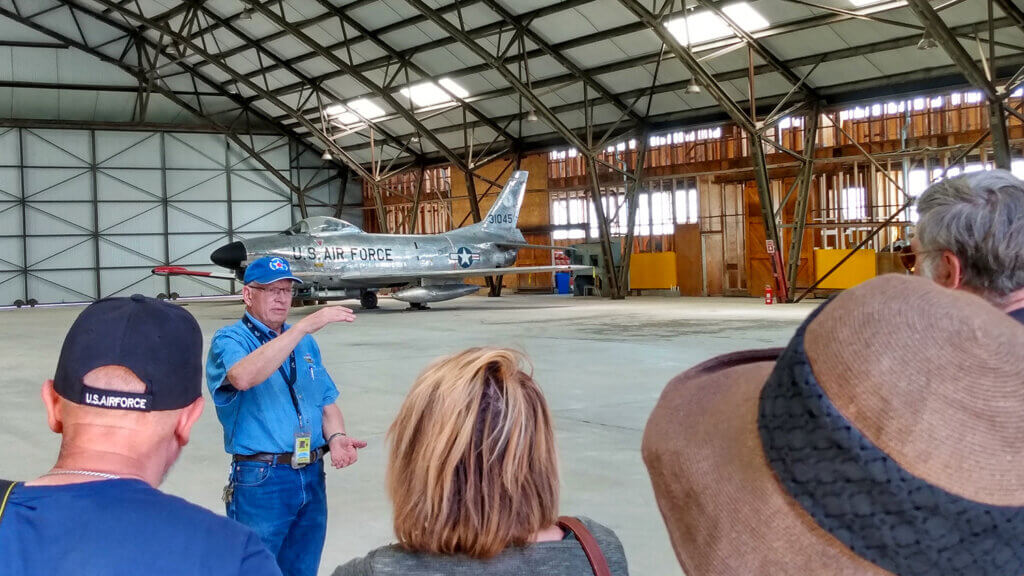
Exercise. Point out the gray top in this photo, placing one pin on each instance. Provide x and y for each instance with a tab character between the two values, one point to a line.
559	558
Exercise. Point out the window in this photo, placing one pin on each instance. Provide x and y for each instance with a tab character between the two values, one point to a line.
686	206
658	210
344	115
853	207
430	94
703	26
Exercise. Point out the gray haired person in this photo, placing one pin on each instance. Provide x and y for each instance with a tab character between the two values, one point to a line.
970	236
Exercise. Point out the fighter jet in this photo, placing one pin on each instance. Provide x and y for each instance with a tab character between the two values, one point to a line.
337	261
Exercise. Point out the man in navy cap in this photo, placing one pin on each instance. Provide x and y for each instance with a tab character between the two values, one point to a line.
277	405
127	390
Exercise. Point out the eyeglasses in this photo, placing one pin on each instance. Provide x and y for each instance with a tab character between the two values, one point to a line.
274	291
908	258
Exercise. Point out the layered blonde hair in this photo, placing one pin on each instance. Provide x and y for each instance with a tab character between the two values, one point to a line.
472	467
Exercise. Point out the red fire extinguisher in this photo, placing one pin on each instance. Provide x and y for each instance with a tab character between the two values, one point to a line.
768	296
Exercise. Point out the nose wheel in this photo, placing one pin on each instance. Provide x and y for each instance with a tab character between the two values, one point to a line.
368	300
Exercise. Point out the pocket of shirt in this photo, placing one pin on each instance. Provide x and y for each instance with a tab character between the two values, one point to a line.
250	473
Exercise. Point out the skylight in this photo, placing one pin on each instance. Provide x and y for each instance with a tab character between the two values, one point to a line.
430	94
344	114
859	3
705	25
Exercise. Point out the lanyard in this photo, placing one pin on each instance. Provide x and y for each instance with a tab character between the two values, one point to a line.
289	379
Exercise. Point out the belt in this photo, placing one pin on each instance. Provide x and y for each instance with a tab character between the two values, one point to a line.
274	459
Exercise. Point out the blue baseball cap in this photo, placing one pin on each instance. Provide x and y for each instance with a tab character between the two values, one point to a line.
269	269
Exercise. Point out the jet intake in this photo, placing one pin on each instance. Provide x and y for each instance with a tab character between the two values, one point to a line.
435	293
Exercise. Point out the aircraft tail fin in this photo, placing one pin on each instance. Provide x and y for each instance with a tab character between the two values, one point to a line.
504	214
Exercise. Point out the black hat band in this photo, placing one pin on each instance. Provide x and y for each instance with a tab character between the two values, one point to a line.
864	498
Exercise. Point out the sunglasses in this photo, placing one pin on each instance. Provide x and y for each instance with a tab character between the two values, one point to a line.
908	258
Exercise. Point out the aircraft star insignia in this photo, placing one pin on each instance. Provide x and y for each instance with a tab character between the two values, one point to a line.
464	256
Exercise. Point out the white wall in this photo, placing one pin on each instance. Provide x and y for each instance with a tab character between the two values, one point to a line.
88	213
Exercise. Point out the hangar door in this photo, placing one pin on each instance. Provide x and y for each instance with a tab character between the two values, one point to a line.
86	214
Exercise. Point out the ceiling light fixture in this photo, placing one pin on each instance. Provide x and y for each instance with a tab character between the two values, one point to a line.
927	42
692	87
326	156
531	116
246	12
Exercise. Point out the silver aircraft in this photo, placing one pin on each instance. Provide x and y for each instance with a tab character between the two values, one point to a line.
336	260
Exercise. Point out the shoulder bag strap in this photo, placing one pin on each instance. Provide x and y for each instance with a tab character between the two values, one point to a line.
589	544
6	486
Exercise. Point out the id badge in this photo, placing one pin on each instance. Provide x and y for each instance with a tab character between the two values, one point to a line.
301	454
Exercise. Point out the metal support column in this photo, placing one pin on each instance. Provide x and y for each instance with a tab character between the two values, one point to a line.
414	212
737	114
1000	134
803	196
603	230
631	206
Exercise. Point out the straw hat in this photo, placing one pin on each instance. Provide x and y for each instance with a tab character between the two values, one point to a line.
887	438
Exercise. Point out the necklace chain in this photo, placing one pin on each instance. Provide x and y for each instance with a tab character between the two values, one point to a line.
85	473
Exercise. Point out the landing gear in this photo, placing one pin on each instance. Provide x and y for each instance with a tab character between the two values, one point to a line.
418	306
368	300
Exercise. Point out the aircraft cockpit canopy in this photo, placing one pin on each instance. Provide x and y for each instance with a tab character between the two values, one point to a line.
322	226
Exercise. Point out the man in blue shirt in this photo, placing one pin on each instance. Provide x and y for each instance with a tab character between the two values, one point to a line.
277	405
127	390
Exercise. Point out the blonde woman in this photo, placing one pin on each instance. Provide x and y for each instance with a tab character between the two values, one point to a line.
473	475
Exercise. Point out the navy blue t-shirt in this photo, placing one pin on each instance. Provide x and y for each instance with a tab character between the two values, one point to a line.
119	528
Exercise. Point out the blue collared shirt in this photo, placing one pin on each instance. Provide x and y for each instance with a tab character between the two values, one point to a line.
263	418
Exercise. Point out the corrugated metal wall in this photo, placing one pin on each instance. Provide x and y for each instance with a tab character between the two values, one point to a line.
87	213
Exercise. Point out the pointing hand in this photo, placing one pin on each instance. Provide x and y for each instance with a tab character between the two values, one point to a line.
330	314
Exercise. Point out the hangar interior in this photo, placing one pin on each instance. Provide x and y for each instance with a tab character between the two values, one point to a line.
140	134
705	148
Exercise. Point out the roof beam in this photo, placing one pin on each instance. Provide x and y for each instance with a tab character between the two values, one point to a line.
763	51
303	24
408	62
1012	11
336	150
295	72
478	32
142	78
737	74
974	74
965	32
539	107
561	58
390	100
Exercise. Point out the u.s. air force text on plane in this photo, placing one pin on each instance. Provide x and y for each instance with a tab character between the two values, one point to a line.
326	253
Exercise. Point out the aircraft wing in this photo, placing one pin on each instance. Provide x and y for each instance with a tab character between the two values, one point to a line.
473	272
524	246
468	272
182	271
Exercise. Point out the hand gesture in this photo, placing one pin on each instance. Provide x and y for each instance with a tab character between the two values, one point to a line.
327	315
343	451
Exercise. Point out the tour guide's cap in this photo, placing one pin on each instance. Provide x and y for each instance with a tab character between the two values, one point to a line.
269	269
160	342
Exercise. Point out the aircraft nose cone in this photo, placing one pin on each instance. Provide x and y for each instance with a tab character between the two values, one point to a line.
229	255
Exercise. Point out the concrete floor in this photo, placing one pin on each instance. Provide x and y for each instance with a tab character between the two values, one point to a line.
602	365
